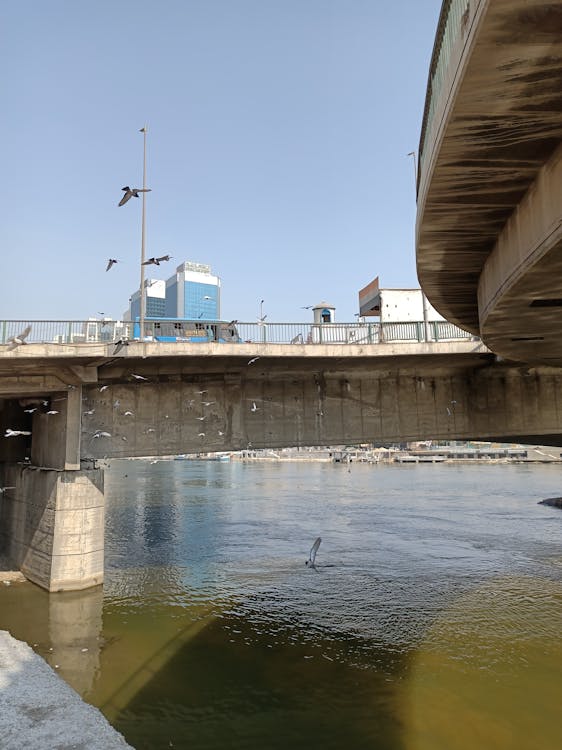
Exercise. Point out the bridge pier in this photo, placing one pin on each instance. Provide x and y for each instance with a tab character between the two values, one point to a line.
52	514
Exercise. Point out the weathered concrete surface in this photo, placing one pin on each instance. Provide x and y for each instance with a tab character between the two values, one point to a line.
274	403
489	195
52	525
39	711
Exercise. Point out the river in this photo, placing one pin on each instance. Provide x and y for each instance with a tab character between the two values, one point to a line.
431	622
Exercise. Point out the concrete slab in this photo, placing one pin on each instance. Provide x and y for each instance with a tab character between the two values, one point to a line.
39	710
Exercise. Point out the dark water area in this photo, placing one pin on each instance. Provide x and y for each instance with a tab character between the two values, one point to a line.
432	620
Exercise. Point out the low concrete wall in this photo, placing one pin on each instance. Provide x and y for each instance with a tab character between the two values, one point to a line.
38	710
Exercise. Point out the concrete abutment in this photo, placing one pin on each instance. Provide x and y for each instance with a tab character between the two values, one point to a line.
52	525
51	510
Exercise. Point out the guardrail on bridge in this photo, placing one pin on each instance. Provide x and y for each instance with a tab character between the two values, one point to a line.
94	331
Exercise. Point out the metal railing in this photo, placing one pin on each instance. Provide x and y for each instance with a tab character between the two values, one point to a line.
100	331
451	28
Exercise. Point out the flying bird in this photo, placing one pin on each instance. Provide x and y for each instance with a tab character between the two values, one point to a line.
254	407
156	261
251	361
110	263
15	341
312	556
138	377
3	489
15	433
119	345
130	193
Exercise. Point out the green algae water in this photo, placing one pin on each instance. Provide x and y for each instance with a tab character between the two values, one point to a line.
431	622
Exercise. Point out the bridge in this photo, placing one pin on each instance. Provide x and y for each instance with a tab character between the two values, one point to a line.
489	222
64	406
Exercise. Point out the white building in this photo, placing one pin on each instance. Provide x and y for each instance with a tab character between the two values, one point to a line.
395	305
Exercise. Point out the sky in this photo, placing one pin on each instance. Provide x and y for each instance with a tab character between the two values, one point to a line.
277	150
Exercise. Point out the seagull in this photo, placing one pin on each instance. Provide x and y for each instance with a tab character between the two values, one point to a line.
207	297
52	411
15	433
3	489
254	359
100	433
156	261
14	341
254	407
312	556
130	192
110	263
119	345
306	307
138	377
103	388
89	413
30	411
128	414
200	418
201	434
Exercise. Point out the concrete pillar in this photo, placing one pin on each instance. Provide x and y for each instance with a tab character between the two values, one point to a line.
52	521
52	526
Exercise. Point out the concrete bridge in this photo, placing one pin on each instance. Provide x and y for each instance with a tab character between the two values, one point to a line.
75	404
489	224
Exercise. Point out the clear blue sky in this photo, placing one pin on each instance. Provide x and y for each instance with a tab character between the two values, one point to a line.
277	149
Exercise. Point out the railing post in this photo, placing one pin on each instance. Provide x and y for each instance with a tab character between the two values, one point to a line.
4	325
69	332
435	331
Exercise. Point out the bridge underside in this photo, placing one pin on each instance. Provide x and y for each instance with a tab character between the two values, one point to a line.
490	198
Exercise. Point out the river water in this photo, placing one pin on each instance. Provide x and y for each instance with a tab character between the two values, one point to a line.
431	622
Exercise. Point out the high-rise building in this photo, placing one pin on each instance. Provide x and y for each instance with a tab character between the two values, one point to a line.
155	300
193	293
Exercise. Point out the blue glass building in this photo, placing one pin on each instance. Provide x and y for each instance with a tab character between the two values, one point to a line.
193	293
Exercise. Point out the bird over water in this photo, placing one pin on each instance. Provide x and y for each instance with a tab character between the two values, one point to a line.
313	550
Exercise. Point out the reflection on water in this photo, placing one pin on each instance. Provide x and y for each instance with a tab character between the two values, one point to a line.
432	621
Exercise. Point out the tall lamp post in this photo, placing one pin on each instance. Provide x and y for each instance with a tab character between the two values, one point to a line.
424	298
143	238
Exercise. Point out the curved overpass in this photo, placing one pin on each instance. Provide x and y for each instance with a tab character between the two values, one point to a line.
489	224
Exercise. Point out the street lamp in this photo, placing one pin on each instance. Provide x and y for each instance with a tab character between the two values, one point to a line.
413	154
424	298
143	238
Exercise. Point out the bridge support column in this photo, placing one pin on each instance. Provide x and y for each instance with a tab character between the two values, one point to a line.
52	514
52	525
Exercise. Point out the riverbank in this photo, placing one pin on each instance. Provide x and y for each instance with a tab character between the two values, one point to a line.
38	710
